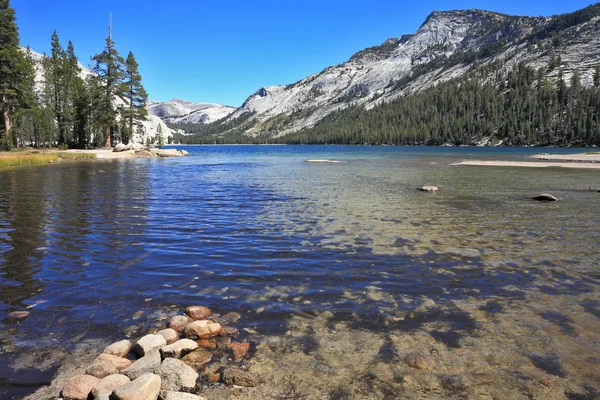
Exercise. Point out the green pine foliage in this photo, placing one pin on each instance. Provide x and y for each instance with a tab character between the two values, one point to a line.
109	69
14	72
135	109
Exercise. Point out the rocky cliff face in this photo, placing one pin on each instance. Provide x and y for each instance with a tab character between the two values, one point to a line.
186	112
445	46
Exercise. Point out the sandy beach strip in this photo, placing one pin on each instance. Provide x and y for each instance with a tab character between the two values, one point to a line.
579	157
531	164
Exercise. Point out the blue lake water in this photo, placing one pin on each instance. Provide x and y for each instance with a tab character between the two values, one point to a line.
103	248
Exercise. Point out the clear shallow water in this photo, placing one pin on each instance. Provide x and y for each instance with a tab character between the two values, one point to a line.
240	228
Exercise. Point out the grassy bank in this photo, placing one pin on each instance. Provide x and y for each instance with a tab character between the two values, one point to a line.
12	159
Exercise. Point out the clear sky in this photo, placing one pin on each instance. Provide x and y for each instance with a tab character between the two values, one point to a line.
222	52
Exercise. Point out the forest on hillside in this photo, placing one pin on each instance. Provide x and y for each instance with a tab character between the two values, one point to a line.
519	107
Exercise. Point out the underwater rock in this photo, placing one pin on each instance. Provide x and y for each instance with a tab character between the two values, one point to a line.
198	312
239	377
197	358
238	349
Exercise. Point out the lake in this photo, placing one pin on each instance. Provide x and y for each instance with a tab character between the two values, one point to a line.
342	273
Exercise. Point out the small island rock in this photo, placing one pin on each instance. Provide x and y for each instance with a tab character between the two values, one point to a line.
428	188
544	197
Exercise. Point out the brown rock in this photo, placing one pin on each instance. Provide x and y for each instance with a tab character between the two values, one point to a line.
198	312
229	331
239	377
231	317
238	349
546	382
416	360
101	368
179	322
207	343
202	329
118	362
119	349
146	387
79	387
223	342
170	335
197	358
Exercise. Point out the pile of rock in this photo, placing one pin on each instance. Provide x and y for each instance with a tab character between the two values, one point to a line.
170	364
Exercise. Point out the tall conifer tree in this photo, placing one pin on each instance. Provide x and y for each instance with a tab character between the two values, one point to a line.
13	67
109	68
135	109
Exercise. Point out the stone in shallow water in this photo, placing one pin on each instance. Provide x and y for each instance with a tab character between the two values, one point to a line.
202	329
544	197
239	377
197	358
177	376
416	360
231	317
107	385
179	322
79	387
198	312
428	188
178	349
238	349
146	387
148	343
170	335
149	363
119	349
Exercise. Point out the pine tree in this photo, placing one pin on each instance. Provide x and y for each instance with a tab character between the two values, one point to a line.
13	68
160	140
109	68
135	109
25	116
597	76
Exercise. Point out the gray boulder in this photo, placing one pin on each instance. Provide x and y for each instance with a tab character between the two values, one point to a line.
177	376
148	343
146	364
146	387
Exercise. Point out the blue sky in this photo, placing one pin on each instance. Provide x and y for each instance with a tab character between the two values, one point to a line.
222	52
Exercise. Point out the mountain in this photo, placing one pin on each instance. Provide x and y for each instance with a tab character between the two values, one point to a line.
448	45
186	112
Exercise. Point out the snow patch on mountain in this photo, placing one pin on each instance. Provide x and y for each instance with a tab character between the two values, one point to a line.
179	111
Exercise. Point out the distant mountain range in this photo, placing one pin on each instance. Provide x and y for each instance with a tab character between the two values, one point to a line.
186	112
447	45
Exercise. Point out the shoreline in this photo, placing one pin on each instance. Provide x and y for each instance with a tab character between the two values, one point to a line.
580	160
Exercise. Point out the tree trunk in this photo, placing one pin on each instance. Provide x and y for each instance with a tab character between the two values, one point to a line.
7	125
107	143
